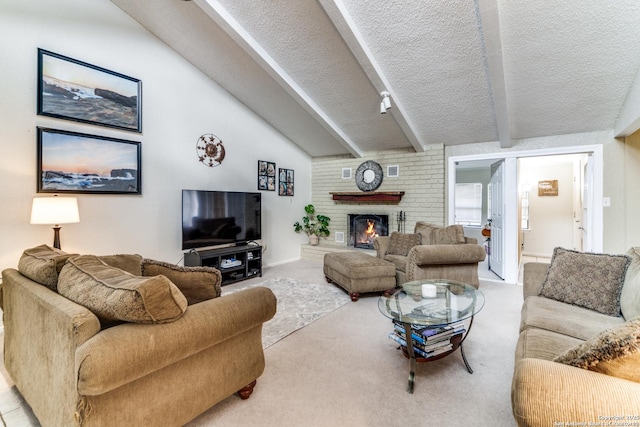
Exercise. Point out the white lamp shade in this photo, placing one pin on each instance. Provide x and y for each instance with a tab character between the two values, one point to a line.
54	210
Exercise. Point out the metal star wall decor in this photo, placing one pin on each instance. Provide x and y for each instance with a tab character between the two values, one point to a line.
210	150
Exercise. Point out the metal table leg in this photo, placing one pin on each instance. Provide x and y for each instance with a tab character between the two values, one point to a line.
412	356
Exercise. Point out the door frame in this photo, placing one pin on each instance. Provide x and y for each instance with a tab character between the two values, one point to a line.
596	228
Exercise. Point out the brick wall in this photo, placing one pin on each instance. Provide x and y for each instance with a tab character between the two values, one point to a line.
421	177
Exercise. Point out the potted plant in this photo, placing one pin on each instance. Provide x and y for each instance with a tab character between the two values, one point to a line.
314	225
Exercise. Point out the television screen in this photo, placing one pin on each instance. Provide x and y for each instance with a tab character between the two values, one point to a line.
211	218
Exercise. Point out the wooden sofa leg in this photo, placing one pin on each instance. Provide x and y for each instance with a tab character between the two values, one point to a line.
246	391
354	296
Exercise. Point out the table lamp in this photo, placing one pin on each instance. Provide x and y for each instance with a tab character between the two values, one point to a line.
55	210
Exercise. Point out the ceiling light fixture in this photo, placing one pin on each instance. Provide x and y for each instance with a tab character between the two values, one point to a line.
385	104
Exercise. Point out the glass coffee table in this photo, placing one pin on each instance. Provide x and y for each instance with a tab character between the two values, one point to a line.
425	317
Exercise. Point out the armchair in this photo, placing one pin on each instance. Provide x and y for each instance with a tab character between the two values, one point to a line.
444	253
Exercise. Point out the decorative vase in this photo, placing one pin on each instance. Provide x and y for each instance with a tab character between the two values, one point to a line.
314	240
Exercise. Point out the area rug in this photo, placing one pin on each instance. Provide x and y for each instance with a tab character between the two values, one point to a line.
299	304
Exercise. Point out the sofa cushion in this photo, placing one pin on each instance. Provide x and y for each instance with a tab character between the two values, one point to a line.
42	264
571	320
587	280
131	263
614	352
630	295
401	243
543	344
436	235
114	295
197	284
399	261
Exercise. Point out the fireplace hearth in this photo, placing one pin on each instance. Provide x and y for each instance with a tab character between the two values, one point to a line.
364	228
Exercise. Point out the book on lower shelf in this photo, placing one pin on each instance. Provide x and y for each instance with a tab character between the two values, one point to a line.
420	351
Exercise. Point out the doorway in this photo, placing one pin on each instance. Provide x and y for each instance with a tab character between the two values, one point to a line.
581	183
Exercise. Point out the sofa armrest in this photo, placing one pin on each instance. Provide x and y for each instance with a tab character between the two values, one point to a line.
533	275
544	392
381	244
144	348
446	254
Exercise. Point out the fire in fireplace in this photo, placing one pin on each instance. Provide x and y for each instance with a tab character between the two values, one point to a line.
364	228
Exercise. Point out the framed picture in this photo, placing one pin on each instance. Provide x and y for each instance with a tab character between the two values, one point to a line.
285	187
548	188
74	90
266	175
70	162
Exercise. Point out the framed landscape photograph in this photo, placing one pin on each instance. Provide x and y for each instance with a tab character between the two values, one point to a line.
285	187
70	162
74	90
266	175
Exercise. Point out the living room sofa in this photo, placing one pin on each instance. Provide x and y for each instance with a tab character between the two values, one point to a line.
577	361
78	366
432	252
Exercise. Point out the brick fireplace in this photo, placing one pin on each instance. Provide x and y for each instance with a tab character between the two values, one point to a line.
364	228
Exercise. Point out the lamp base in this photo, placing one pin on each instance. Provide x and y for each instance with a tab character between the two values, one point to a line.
56	236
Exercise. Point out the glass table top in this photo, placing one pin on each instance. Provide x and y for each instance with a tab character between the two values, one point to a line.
452	302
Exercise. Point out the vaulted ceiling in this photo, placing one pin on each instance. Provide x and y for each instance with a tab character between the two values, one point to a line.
457	71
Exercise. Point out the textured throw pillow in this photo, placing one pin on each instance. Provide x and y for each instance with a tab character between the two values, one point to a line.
131	263
114	295
587	280
197	284
42	264
401	244
614	352
436	235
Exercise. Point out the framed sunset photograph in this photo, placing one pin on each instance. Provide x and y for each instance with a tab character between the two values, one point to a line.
75	90
71	162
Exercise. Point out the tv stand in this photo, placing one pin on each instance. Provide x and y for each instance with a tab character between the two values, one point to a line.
249	256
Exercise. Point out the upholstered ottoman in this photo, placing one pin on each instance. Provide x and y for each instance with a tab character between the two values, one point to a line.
357	273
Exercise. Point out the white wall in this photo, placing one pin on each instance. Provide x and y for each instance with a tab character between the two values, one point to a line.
179	104
550	217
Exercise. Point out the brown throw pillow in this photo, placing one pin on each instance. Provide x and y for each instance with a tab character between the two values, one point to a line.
588	280
614	352
114	295
42	264
131	263
401	244
197	284
436	235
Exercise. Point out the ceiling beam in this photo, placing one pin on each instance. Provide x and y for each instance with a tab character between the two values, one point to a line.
232	27
628	120
341	19
488	19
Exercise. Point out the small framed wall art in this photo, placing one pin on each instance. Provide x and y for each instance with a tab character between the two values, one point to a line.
71	162
548	188
266	176
285	187
74	90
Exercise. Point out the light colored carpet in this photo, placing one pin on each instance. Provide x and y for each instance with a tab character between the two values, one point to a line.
299	304
342	370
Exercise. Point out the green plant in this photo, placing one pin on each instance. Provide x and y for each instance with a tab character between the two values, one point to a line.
313	224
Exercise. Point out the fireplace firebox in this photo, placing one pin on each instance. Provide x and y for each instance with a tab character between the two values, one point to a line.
364	228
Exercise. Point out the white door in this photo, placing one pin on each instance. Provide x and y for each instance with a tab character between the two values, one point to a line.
587	217
497	218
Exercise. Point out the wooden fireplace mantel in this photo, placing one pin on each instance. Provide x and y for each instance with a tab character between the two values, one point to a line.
371	196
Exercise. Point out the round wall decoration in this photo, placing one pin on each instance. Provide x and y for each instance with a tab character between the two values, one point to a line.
210	150
369	176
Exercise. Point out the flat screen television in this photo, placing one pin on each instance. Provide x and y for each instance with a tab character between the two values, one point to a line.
212	218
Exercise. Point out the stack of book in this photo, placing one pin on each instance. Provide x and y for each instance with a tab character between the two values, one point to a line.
427	341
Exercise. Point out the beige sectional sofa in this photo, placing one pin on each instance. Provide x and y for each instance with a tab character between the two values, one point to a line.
576	361
432	252
164	366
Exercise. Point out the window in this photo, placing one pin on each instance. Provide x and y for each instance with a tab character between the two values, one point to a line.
468	199
524	204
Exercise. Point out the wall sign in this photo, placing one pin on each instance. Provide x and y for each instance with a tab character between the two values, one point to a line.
548	188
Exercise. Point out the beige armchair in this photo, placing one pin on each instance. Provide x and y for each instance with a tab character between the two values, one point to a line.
444	253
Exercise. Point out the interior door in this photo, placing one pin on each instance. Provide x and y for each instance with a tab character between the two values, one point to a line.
587	218
497	218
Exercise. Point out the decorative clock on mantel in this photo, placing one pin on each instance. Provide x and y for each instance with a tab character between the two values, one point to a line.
369	176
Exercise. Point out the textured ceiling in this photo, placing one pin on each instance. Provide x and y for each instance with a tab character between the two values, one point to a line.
459	71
